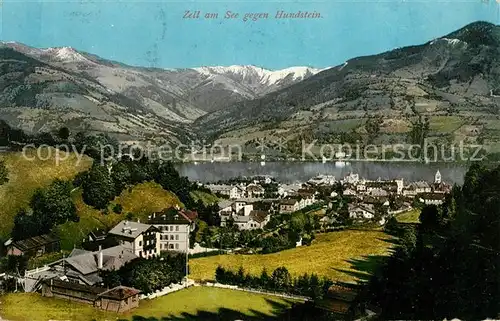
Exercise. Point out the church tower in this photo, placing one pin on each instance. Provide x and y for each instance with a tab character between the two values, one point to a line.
437	177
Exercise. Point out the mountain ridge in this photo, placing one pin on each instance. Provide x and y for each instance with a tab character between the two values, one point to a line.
176	97
444	77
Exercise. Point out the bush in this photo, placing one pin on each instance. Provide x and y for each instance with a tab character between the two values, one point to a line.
279	281
206	254
4	174
118	208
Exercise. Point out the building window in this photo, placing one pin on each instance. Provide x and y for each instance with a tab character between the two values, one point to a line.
176	246
172	237
177	237
171	228
170	246
140	243
177	228
140	253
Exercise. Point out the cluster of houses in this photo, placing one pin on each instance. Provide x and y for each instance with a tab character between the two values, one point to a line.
365	194
77	276
246	207
255	213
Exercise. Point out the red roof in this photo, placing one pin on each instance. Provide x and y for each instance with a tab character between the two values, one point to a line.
192	215
119	293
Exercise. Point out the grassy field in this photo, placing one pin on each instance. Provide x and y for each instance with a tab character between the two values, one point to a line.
25	176
409	217
192	303
337	255
206	198
445	124
140	200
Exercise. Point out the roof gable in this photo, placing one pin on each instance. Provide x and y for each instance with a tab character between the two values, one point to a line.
129	229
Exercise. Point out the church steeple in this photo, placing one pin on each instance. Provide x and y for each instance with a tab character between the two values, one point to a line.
437	177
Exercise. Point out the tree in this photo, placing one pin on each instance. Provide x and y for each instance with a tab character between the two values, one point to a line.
63	133
117	208
4	173
98	187
49	207
429	218
220	274
380	212
120	174
344	215
207	237
391	227
16	264
264	277
281	279
148	275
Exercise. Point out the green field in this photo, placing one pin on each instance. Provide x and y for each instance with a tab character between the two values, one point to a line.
344	255
445	124
25	176
409	217
201	303
206	198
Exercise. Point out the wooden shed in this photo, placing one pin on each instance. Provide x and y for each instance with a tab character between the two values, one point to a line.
71	291
118	299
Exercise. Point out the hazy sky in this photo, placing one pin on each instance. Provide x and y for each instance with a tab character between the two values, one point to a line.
153	33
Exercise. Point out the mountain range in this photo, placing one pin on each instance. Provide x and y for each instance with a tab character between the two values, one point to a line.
44	89
454	79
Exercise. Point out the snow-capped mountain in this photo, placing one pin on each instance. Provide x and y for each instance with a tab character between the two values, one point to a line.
196	90
60	54
258	79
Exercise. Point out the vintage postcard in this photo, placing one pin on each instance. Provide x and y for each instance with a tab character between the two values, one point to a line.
249	160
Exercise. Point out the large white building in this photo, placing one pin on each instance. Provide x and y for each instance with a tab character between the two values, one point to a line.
231	191
174	226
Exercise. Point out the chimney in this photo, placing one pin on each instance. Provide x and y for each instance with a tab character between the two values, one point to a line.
99	258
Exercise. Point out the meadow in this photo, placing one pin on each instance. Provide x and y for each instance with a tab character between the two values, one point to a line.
26	174
188	304
344	256
411	216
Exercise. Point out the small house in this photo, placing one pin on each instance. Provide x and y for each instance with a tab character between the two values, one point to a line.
289	205
34	246
119	299
432	198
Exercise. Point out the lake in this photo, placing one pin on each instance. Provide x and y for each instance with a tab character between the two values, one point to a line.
289	172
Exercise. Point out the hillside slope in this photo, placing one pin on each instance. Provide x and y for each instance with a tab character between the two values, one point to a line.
455	76
25	176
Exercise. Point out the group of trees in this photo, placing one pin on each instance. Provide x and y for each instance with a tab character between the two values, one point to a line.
148	275
100	184
448	266
418	133
49	207
289	229
279	280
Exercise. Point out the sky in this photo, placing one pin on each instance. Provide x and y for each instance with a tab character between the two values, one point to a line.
155	34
